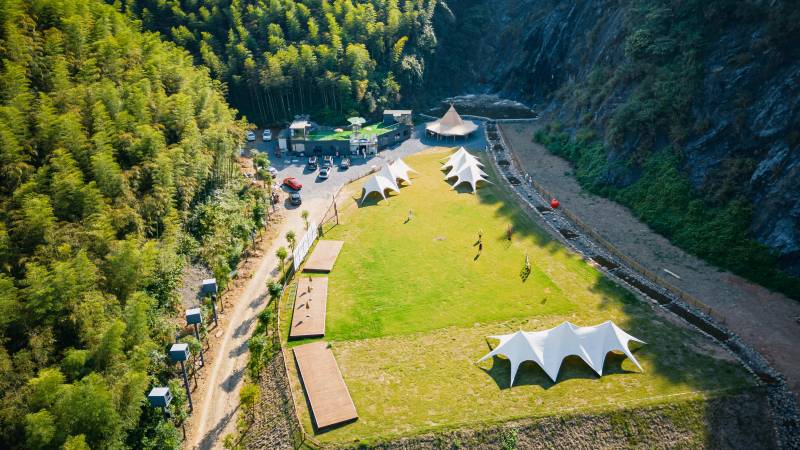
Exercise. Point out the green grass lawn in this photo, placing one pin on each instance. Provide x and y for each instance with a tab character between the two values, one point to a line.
344	135
410	305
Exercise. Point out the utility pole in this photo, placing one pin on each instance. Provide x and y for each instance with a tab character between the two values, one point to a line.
180	352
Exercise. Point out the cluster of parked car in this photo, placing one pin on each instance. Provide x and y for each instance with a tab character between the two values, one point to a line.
294	184
265	136
326	166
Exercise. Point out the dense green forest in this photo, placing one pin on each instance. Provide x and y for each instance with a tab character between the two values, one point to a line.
285	57
118	168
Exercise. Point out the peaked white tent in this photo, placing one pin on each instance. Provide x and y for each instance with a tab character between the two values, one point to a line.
548	348
461	151
400	170
470	173
451	125
460	158
387	173
379	183
454	170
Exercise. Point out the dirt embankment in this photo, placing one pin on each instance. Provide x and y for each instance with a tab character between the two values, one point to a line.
712	423
765	320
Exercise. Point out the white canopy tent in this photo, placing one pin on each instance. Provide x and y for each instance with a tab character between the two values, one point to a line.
457	154
386	172
454	170
379	183
461	157
400	170
548	348
470	173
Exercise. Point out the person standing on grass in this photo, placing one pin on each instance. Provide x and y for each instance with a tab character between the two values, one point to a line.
410	215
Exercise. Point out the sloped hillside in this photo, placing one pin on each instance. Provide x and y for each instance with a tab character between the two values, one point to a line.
107	137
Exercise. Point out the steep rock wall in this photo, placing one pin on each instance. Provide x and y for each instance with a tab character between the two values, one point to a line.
738	134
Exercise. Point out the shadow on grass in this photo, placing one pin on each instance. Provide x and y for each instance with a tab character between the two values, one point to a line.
572	368
373	199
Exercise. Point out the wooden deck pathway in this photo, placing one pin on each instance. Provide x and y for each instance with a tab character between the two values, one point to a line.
308	317
324	256
327	393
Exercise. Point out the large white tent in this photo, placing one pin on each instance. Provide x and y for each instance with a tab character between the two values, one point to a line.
548	348
386	172
454	170
470	173
379	183
461	151
400	170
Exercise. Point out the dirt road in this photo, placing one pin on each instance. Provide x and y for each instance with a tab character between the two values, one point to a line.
767	321
215	411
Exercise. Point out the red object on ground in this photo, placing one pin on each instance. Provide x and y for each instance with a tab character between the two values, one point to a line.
554	203
293	183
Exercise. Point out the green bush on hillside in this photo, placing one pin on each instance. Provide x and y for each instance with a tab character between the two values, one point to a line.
664	199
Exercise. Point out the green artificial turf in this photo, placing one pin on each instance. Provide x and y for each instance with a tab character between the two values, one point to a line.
410	306
344	135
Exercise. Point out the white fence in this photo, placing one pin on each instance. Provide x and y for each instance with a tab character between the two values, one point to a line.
485	119
305	243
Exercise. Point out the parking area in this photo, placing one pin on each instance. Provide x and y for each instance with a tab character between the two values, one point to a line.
317	188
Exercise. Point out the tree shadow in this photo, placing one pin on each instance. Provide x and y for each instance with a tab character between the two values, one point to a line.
258	300
239	350
244	327
233	380
213	435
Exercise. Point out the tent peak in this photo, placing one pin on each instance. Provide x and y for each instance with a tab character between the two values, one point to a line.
548	348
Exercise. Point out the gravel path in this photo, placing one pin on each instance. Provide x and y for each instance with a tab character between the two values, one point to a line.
765	320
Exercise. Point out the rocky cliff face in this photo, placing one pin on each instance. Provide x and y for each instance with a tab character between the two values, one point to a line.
738	132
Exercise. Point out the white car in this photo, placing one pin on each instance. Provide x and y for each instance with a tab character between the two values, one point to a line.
273	172
251	137
267	136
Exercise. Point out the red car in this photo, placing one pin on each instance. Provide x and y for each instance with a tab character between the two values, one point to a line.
293	183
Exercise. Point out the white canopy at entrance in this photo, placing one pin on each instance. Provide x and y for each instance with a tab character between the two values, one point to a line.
451	125
548	348
379	183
